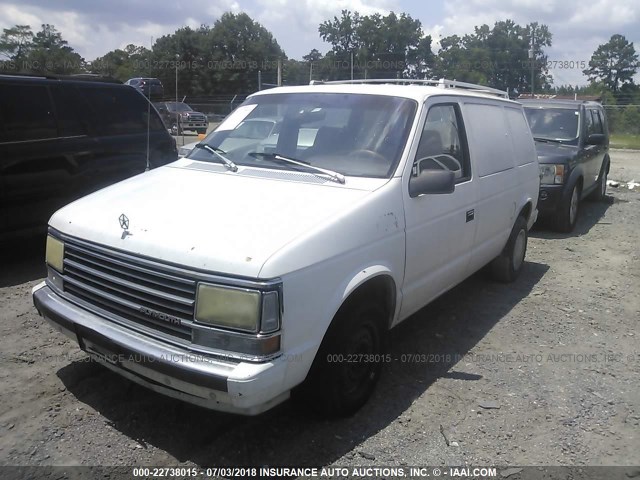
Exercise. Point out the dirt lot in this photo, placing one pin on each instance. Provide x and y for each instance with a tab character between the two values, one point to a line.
542	372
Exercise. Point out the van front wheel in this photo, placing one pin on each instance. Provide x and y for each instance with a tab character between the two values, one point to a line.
348	363
507	266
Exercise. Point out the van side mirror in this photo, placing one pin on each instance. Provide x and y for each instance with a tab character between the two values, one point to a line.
596	139
432	182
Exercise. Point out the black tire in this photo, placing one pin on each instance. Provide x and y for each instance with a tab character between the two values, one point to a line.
600	193
349	362
567	215
507	266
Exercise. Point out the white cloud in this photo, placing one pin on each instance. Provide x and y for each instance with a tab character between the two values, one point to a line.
578	27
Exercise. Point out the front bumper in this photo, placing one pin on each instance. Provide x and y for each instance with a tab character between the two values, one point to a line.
236	387
549	199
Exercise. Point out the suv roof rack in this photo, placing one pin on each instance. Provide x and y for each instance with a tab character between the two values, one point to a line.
84	77
441	83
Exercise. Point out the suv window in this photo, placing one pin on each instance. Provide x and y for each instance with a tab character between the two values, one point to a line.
117	111
596	122
26	113
68	110
554	123
441	146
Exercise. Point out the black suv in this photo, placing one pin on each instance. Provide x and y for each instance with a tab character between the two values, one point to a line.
178	116
150	87
572	141
64	137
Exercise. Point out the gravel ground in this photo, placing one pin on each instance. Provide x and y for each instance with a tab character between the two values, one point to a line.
545	371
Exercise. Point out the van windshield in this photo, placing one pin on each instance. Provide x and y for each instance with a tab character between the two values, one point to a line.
351	134
560	124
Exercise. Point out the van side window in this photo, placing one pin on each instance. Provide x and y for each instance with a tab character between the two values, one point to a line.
27	113
442	143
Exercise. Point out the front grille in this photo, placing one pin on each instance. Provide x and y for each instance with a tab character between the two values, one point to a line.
196	118
127	286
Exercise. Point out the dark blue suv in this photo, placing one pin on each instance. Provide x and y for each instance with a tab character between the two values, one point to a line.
572	141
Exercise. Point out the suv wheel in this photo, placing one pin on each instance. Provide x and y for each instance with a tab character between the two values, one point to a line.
567	216
507	266
348	363
600	193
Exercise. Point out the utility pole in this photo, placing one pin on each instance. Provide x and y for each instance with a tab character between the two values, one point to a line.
176	106
532	58
279	72
351	65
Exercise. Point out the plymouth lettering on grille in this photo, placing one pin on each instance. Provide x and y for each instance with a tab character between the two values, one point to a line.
160	316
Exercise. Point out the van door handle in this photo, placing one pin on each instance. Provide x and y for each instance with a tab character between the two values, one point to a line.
470	215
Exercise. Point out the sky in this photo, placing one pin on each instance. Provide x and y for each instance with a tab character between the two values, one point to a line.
94	27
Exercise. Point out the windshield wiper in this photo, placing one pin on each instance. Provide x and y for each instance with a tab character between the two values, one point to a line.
335	176
548	140
219	153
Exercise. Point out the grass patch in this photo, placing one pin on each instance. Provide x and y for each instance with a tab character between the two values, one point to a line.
624	140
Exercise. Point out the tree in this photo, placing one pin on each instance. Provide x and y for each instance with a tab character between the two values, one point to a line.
50	53
133	61
382	46
614	63
498	56
16	42
182	52
236	48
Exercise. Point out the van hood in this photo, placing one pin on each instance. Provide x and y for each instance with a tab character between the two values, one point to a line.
223	222
551	152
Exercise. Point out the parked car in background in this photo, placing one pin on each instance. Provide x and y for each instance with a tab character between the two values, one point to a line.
257	267
245	134
64	137
179	117
150	87
572	141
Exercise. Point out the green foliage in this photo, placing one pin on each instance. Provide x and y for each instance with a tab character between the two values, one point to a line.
16	42
44	52
382	46
614	63
498	56
122	65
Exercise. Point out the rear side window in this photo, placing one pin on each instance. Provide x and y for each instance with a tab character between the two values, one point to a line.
492	150
595	125
26	113
118	111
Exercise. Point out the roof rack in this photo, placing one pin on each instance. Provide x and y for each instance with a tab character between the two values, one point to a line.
84	77
441	83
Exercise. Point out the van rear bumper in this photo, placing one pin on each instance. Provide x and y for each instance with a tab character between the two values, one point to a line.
242	387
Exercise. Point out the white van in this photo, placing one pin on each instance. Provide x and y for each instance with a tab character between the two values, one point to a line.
232	277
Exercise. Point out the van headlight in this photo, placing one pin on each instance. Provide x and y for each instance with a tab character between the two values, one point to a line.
55	253
551	174
238	308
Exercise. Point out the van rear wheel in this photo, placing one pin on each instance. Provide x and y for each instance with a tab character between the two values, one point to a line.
507	266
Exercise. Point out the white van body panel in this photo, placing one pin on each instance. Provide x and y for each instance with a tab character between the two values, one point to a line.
319	239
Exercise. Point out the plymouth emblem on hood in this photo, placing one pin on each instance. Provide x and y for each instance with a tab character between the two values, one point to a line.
124	224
